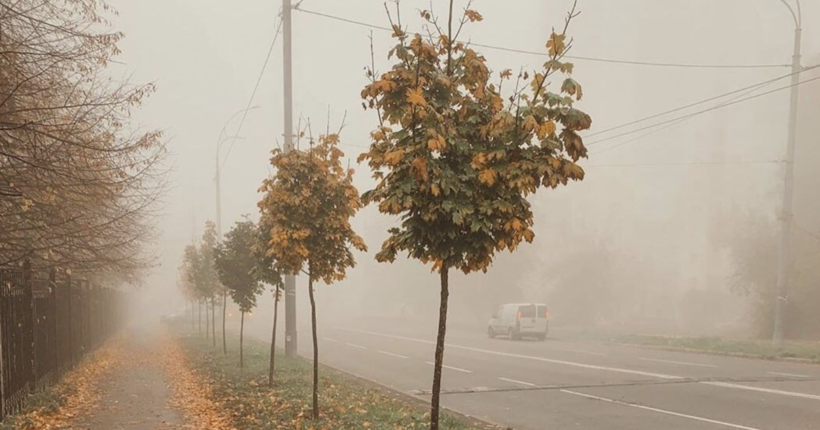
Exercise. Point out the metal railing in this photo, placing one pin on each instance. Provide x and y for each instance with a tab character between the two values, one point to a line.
47	323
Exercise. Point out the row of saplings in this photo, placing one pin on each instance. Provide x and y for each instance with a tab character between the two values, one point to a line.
451	156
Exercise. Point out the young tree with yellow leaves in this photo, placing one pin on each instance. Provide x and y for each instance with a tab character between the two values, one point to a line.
307	208
457	161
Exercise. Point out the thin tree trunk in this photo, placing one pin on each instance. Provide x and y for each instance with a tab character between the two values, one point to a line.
442	329
241	341
315	351
272	366
224	311
199	314
207	321
213	321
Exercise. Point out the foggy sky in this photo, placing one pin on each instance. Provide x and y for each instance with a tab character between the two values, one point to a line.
205	56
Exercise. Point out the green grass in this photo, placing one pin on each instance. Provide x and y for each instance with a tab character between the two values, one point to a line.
750	347
345	402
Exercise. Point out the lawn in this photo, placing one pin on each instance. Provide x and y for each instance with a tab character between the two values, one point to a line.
345	402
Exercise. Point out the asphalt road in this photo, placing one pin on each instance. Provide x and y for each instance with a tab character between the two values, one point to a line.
559	384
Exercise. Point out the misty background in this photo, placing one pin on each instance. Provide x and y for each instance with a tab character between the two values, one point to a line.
672	231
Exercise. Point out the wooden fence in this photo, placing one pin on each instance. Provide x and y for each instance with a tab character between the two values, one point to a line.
46	324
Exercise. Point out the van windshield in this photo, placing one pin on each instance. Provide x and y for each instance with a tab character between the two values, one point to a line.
527	311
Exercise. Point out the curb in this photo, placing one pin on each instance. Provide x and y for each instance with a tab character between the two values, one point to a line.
478	423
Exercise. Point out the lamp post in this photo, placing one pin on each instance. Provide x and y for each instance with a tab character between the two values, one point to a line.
786	215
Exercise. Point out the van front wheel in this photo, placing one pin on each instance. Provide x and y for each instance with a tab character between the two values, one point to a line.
490	332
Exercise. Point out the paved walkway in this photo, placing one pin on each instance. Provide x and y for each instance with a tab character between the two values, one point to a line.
138	395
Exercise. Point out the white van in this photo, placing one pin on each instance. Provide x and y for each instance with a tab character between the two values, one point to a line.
518	320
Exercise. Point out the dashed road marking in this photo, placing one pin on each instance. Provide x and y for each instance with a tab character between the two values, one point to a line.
682	363
330	339
353	345
514	381
790	375
393	355
457	369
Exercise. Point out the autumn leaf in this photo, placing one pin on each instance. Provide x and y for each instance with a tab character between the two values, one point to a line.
437	143
530	124
556	45
416	98
473	16
546	129
487	177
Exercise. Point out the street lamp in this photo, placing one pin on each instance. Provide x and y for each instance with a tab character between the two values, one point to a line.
222	139
784	247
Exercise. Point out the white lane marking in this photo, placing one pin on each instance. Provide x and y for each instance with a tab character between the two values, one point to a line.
579	351
330	339
647	408
393	355
528	357
353	345
458	369
514	381
791	375
682	363
762	390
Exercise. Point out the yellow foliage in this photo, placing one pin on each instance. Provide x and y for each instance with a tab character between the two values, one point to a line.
487	177
546	129
393	158
437	143
416	97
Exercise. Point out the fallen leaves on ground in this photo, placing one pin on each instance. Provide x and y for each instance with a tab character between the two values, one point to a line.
78	391
192	392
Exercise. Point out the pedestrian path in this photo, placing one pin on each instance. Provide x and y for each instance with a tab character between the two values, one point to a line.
137	395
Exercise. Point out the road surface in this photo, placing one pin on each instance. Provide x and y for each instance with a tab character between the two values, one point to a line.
559	384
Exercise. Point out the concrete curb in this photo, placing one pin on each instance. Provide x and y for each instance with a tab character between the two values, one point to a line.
478	423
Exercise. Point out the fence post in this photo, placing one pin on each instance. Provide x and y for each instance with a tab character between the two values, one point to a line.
2	361
55	345
28	326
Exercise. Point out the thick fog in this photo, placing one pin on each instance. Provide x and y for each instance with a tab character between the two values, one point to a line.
672	231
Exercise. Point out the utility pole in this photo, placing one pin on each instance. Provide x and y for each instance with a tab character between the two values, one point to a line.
290	279
786	215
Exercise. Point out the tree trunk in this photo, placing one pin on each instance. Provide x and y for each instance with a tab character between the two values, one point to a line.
224	311
315	352
442	329
273	337
207	321
199	314
213	321
193	317
241	341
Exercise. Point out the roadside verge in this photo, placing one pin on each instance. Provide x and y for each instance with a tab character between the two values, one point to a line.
346	401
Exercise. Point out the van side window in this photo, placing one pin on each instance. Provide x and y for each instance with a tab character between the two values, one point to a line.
527	311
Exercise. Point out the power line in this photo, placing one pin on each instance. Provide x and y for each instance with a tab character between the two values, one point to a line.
701	112
693	163
740	90
253	94
675	124
573	57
